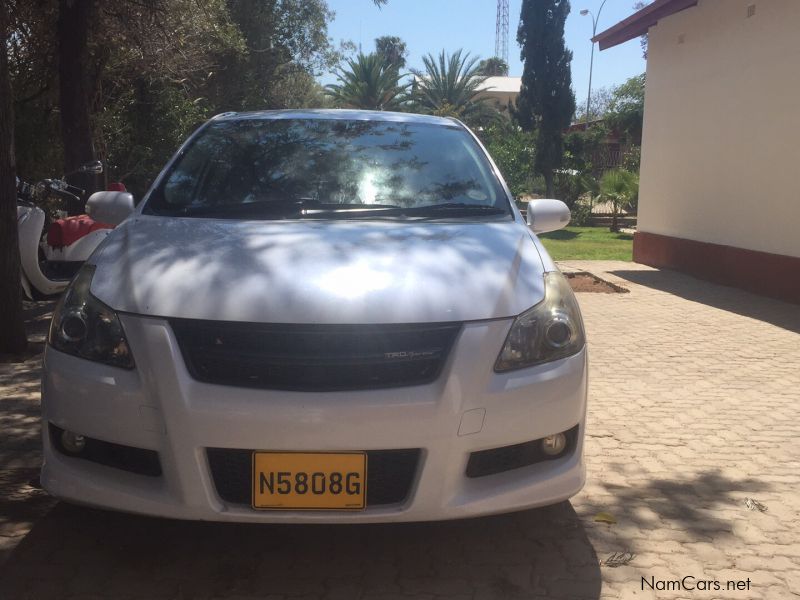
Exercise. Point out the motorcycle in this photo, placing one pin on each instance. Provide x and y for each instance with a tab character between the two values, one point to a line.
52	251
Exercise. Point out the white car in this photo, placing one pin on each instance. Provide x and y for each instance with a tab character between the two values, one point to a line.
320	316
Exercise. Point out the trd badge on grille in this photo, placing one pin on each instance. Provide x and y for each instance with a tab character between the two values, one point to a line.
411	354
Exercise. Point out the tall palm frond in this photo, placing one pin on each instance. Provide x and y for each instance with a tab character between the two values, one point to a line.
370	83
449	85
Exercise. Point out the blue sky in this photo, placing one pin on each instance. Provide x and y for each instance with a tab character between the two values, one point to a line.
430	25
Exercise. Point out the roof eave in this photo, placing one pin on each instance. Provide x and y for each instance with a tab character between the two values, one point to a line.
639	22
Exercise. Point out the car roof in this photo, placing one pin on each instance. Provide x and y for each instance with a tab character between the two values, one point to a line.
338	114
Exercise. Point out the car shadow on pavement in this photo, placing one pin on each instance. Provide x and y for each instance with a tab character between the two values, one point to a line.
735	300
86	552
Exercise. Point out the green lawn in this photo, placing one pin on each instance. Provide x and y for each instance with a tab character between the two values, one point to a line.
588	243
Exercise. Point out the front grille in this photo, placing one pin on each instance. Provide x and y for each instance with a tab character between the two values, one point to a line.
390	474
314	357
507	458
127	458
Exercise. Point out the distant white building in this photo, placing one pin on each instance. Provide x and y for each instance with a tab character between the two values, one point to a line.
500	90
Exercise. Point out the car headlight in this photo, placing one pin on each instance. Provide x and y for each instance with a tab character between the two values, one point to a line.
550	330
85	327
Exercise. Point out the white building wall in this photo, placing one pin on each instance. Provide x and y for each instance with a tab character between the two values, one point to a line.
721	141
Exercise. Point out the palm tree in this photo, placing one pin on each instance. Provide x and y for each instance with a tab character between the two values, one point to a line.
369	82
619	187
449	85
494	67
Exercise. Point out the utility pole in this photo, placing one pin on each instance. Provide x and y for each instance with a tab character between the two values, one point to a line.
585	12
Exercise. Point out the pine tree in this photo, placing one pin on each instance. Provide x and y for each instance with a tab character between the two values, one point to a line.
546	102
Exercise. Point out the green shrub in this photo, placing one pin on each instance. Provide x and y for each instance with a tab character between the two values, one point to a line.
632	159
570	186
583	148
582	212
512	149
621	188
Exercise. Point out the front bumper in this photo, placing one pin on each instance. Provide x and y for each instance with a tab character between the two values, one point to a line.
160	407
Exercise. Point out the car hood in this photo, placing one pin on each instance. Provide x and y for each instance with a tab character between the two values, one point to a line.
319	272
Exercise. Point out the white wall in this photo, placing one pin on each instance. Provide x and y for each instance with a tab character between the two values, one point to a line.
721	143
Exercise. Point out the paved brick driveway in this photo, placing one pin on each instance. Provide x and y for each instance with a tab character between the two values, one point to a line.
695	406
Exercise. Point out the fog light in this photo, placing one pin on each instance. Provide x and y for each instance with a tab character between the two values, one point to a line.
554	444
74	443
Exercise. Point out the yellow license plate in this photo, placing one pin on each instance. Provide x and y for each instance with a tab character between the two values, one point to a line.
309	481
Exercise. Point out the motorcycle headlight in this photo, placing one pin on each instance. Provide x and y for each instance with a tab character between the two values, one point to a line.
550	330
85	327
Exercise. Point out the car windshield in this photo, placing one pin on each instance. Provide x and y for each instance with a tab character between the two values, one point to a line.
302	168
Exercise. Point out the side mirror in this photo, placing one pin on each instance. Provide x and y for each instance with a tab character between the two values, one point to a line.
94	167
547	215
110	207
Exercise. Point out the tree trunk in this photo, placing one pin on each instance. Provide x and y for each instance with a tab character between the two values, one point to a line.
12	326
614	211
74	20
549	183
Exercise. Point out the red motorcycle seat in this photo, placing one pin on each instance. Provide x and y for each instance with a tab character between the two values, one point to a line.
70	229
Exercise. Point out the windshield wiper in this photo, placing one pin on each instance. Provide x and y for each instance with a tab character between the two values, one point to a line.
270	207
309	208
278	209
350	211
454	209
432	211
